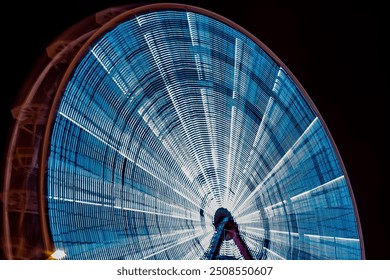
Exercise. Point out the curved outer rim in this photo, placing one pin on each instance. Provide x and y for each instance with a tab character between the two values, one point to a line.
180	7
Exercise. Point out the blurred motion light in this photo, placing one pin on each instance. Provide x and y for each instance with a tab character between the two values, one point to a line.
170	112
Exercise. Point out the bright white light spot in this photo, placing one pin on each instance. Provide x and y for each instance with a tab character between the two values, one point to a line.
58	254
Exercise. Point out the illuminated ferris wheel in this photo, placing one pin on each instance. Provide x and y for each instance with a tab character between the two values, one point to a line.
167	131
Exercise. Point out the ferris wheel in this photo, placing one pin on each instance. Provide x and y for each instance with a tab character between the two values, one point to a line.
167	131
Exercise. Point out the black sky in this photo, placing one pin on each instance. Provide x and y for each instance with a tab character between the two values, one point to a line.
336	51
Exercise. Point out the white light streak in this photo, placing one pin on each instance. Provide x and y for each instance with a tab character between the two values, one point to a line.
118	207
114	76
192	27
229	168
319	187
335	238
279	80
251	161
198	67
276	167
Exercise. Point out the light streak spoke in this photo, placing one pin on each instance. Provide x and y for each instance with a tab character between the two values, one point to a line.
279	164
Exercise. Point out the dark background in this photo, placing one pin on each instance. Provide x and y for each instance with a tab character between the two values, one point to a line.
335	50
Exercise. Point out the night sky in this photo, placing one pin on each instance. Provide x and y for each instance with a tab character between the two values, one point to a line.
336	52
